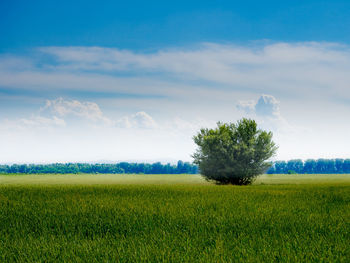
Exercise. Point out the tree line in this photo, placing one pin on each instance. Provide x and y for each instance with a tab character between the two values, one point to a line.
320	166
311	166
118	168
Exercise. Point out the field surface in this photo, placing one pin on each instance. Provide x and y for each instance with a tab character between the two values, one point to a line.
173	218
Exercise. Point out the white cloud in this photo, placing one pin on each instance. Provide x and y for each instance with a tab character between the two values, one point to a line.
272	66
202	57
65	108
139	120
266	106
297	69
60	113
248	106
266	110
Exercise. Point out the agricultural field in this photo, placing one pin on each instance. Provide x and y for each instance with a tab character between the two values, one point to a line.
173	218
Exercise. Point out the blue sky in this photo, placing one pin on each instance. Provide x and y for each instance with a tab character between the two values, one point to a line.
150	25
85	81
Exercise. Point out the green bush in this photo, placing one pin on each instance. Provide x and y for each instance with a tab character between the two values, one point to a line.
233	153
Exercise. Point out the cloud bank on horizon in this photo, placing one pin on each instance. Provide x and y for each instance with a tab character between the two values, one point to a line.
62	103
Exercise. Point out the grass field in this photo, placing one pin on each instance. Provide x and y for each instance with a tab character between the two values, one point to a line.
173	218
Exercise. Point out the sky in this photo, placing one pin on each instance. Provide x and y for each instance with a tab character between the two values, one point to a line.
108	81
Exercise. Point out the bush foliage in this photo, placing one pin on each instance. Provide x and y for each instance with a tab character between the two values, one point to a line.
233	153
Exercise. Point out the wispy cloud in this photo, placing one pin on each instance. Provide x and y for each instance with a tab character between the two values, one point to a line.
32	122
174	92
308	67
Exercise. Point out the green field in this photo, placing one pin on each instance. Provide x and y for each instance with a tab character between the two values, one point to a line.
173	218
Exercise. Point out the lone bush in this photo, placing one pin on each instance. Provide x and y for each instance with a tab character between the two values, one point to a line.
233	153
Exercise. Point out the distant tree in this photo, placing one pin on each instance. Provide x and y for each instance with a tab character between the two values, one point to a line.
180	165
309	166
169	169
194	169
339	165
330	166
280	167
157	168
186	168
295	166
346	166
321	166
233	153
